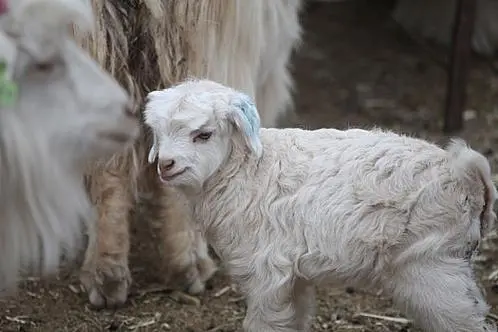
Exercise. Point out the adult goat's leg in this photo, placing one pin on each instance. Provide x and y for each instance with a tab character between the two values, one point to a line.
105	272
274	95
185	259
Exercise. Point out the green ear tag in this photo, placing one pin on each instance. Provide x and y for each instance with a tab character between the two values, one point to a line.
8	89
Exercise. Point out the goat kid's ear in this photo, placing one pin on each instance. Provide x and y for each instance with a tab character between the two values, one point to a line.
152	95
244	115
153	151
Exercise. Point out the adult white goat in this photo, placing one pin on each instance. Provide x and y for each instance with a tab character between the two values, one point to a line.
285	208
433	19
67	112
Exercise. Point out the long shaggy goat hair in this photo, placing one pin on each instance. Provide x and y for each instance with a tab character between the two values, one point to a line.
155	43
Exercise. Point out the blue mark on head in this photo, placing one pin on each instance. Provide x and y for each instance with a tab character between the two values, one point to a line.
248	121
249	114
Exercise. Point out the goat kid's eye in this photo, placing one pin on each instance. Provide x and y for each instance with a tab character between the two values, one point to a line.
202	136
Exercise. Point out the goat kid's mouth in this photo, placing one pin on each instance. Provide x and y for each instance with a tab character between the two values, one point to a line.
167	178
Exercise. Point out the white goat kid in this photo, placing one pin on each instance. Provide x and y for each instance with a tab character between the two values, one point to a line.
67	113
286	208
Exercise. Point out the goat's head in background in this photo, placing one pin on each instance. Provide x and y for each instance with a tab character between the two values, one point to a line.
61	89
67	112
196	126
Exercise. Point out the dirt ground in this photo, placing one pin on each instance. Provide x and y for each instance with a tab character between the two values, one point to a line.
355	68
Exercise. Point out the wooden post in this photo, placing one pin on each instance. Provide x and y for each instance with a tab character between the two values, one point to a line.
456	94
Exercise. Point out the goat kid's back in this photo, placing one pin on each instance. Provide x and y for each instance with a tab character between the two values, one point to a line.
372	192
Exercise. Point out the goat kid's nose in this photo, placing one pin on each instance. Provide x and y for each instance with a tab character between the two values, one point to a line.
166	165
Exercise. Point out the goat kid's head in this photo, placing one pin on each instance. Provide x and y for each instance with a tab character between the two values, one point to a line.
61	90
196	125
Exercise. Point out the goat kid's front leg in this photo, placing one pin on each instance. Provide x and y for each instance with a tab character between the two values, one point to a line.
105	273
273	304
184	251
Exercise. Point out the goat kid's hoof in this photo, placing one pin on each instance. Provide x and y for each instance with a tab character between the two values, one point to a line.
206	268
107	286
192	280
197	287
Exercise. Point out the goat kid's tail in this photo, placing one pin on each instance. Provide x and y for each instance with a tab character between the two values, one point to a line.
473	169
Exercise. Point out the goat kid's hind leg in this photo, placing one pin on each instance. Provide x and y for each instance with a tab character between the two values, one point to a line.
304	299
105	273
441	296
186	261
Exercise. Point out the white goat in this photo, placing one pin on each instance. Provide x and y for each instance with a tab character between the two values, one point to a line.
285	208
433	19
67	113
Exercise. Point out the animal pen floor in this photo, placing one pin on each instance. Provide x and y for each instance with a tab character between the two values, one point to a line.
355	68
